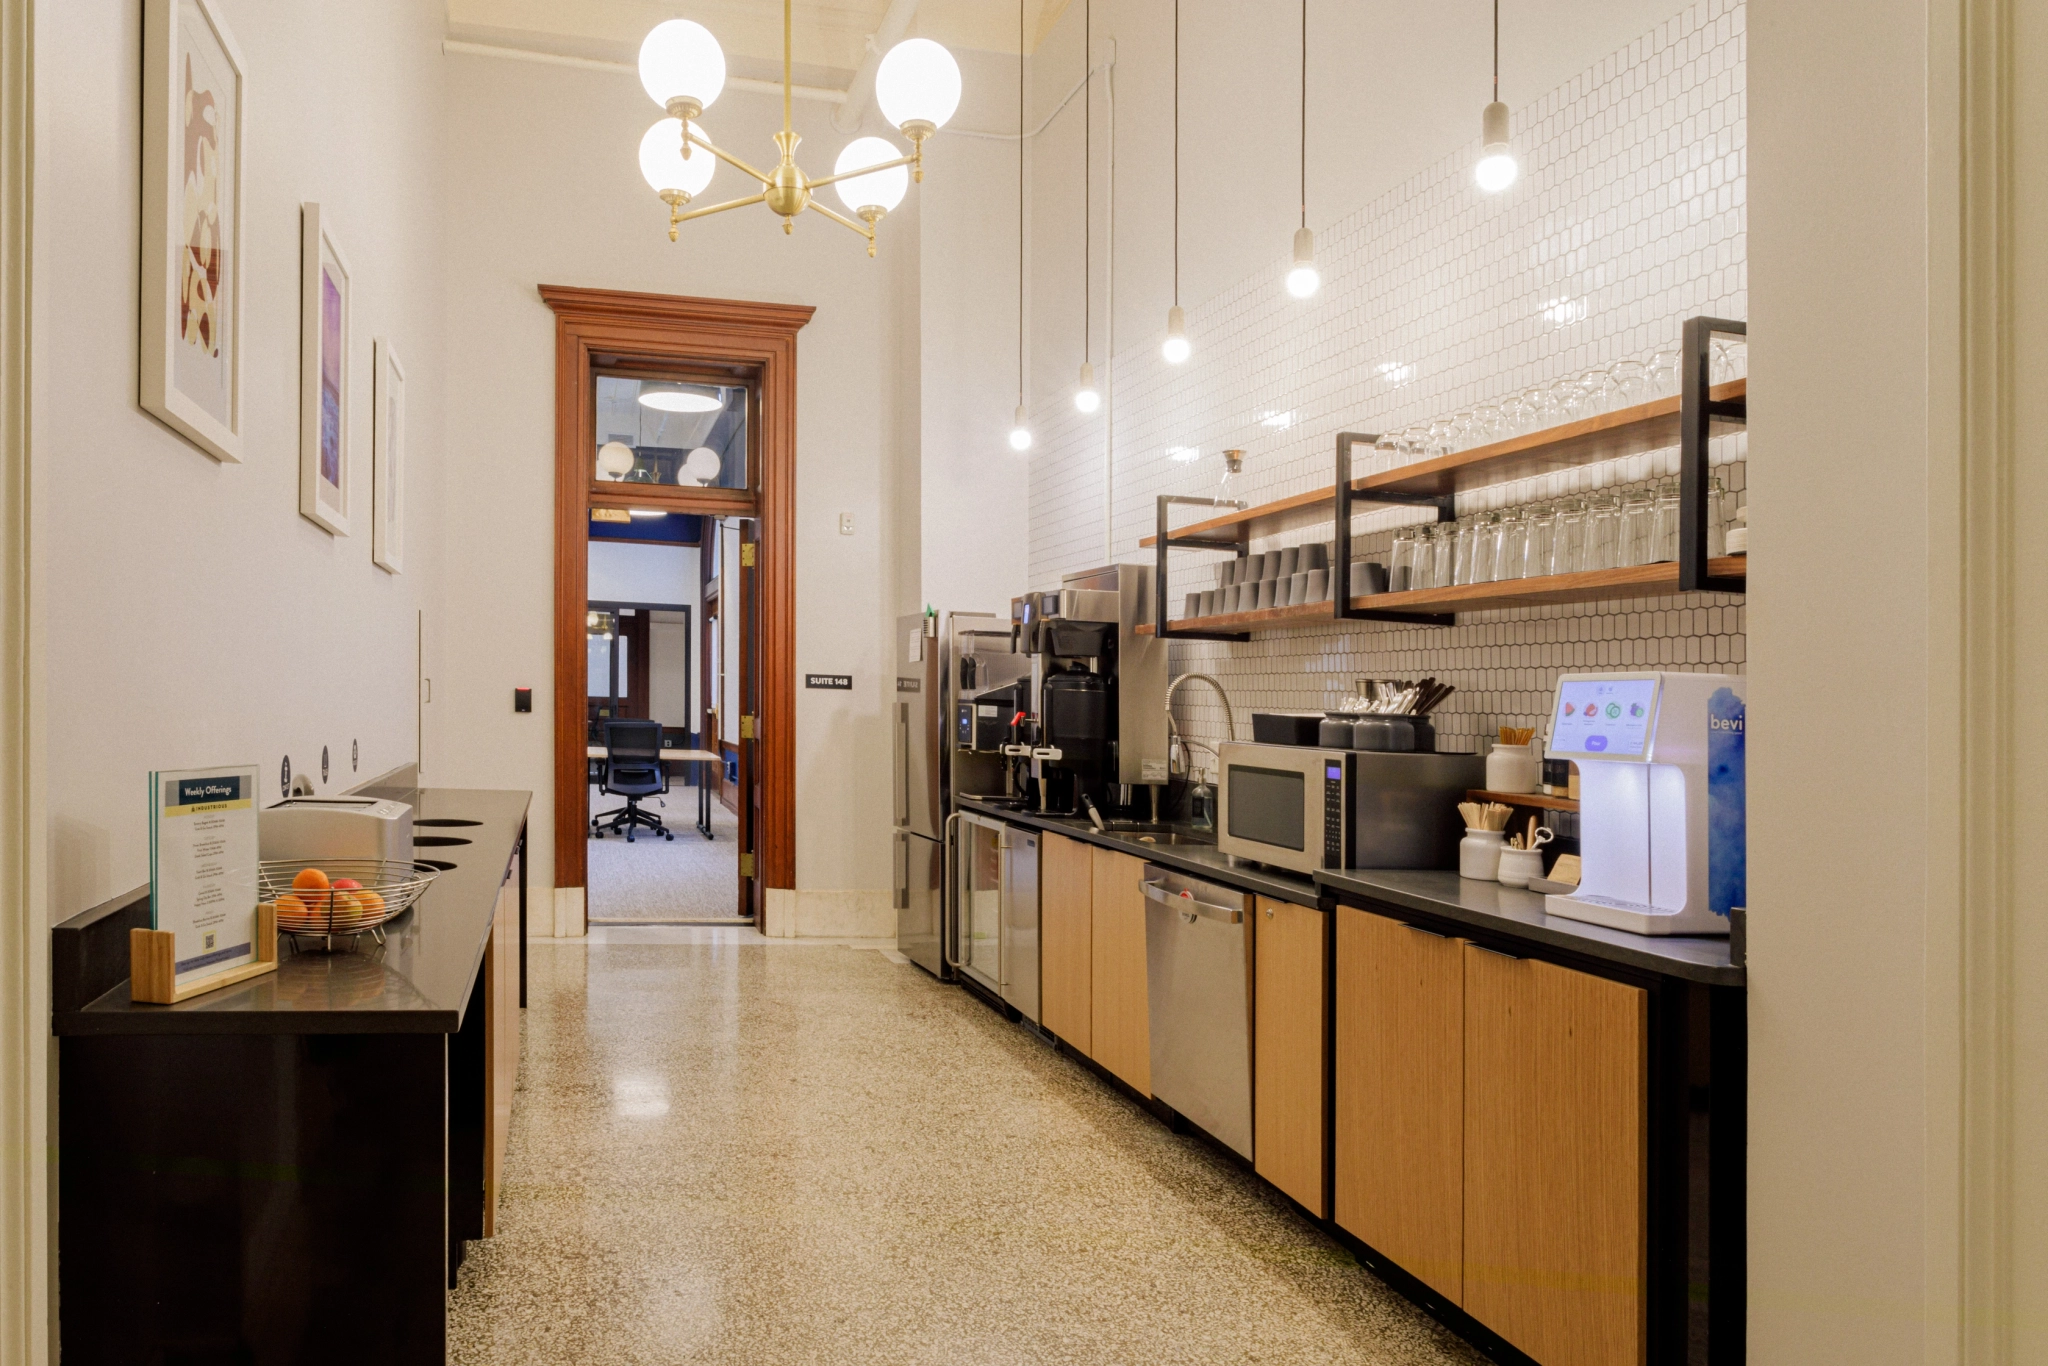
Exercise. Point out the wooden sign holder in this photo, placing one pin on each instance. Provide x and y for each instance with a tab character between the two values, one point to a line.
153	963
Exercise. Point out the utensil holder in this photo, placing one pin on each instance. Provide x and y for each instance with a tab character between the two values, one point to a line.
1518	866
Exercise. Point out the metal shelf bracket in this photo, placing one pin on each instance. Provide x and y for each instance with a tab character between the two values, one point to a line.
1340	541
1698	409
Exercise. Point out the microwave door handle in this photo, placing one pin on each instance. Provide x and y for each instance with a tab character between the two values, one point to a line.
1156	891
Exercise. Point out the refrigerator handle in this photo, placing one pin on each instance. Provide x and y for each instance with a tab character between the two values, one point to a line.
949	913
902	872
902	763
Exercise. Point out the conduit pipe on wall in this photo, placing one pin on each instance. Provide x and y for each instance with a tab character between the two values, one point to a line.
846	118
527	54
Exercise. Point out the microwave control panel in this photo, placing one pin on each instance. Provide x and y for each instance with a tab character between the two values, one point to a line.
1335	818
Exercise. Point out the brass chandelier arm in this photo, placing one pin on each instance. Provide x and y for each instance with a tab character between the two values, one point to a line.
728	158
710	209
864	170
843	220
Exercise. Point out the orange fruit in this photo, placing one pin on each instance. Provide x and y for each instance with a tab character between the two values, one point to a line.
371	903
312	886
310	878
290	907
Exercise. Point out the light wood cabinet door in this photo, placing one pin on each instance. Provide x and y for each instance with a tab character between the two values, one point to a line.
1290	1049
1400	1095
501	1043
1120	1030
1555	1151
1066	890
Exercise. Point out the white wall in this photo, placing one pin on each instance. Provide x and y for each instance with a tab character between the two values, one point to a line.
671	669
542	187
192	616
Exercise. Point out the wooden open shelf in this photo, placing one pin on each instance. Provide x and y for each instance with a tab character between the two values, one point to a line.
1608	436
1535	799
1637	581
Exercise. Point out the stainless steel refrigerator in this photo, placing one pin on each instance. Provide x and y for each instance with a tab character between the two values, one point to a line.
938	662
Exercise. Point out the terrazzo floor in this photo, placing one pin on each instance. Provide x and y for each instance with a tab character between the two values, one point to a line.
727	1149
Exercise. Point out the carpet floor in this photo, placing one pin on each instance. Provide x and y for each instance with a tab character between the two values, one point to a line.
658	881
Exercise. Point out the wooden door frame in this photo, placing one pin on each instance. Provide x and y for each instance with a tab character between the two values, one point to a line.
664	327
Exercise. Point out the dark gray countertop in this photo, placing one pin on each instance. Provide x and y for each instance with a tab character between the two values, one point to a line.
418	982
1507	911
1520	915
1202	860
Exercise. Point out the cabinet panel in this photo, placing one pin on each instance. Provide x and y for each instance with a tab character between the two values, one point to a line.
1555	1152
1121	1032
501	1043
1290	1049
1400	1095
1067	896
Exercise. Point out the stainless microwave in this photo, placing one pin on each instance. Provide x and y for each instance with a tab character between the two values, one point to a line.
1304	809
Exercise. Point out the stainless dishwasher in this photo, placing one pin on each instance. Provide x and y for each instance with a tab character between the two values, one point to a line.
1199	1001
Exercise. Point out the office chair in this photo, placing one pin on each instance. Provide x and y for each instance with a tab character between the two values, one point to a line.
633	769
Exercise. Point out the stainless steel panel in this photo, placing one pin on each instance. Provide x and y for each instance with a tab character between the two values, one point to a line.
978	641
1405	807
1141	751
919	726
1020	921
920	901
1199	1003
978	915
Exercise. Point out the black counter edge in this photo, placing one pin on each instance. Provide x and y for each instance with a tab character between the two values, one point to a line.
80	1024
1580	951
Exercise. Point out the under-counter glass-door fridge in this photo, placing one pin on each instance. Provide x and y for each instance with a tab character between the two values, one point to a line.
996	924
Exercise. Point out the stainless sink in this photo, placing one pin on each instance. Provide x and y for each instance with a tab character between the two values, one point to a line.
1178	837
1150	832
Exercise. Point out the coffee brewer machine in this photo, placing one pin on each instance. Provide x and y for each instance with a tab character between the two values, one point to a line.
1089	720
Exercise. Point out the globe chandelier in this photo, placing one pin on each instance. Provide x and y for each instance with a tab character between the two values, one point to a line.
682	67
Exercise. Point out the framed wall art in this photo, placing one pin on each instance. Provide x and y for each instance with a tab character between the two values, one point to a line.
387	461
324	389
194	108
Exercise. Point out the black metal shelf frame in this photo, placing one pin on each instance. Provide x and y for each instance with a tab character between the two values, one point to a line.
1166	541
1697	411
1340	543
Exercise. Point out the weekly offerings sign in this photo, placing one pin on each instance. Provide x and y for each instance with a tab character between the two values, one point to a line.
202	866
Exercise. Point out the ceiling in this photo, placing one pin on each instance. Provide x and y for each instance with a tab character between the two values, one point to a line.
829	37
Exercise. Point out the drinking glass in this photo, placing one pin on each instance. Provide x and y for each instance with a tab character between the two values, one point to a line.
1663	372
1568	538
1386	453
1729	360
1664	524
1629	382
1539	408
1422	558
1638	530
1462	545
1485	543
1509	543
1717	530
1401	562
1464	429
1438	441
1538	533
1488	425
1514	415
1603	532
1444	558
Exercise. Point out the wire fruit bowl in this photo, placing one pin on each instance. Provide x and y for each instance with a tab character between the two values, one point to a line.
349	897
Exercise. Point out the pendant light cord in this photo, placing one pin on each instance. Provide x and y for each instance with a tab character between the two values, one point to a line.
1496	51
1020	203
1176	152
1087	173
1304	111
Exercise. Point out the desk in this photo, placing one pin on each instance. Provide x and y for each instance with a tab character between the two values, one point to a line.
682	756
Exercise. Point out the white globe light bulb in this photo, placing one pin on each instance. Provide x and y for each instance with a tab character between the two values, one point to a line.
917	82
680	60
1175	349
1304	279
615	458
702	464
1020	434
878	189
1086	397
1496	169
662	163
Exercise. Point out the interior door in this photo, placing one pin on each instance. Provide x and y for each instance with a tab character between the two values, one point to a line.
751	896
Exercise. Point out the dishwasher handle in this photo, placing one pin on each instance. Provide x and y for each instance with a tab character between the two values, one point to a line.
1187	905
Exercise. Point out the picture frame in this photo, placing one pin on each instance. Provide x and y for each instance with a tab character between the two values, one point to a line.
325	391
195	110
387	459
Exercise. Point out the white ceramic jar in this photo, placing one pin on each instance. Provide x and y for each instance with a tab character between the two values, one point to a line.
1514	768
1517	866
1479	854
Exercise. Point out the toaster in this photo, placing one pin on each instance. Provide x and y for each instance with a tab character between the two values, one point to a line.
336	827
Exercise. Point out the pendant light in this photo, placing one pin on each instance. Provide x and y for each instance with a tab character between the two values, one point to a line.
1175	349
1087	398
1496	169
1020	432
1304	280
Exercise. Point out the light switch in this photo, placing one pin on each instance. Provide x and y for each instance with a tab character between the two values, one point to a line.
846	524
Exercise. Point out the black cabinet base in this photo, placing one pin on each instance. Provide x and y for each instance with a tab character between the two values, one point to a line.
253	1200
